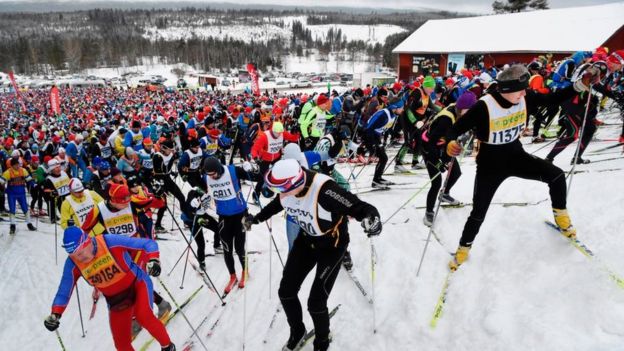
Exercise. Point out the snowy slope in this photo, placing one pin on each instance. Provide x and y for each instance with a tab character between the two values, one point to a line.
246	32
523	288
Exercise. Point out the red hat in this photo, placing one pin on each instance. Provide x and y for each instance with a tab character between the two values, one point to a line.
617	57
148	141
277	110
34	158
119	194
214	133
247	109
321	99
396	86
56	139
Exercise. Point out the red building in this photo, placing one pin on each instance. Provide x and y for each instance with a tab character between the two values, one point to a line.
442	46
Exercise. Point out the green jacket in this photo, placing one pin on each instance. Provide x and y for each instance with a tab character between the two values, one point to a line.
312	121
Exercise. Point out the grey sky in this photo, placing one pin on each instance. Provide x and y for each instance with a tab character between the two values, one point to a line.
475	6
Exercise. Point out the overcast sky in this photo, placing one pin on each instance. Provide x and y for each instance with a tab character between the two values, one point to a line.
476	6
451	5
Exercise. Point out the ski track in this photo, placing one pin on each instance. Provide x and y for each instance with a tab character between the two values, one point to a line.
523	288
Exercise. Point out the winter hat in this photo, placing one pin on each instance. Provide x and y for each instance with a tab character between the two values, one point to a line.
429	82
209	120
53	163
75	185
617	57
193	142
34	158
73	237
396	103
278	127
292	151
104	165
119	194
148	142
285	176
321	99
513	79
466	101
115	171
213	165
130	152
168	144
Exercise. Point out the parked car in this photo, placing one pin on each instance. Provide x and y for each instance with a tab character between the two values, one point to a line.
301	83
226	83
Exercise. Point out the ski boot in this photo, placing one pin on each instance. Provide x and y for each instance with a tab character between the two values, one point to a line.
171	347
230	284
218	250
322	345
295	340
428	219
136	328
12	229
377	184
347	262
243	279
446	198
31	227
400	169
460	257
537	140
202	267
159	229
579	161
417	166
42	213
164	309
385	182
34	213
562	219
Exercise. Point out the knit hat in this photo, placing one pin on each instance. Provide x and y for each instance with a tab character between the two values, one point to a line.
429	82
466	101
119	194
75	185
617	57
73	237
278	127
321	99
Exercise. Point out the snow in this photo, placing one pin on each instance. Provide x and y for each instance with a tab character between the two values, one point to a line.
247	32
523	288
559	30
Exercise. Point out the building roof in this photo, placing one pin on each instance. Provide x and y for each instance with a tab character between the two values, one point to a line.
557	31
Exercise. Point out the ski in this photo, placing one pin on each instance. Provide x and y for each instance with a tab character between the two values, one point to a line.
606	148
372	190
168	319
596	170
202	275
273	319
445	205
587	252
607	159
310	334
437	312
357	283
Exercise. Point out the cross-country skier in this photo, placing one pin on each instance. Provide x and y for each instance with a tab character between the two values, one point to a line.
498	119
78	204
106	264
321	208
16	179
436	158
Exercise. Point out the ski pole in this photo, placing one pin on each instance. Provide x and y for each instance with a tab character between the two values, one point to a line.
60	340
435	215
191	237
50	209
80	311
578	146
181	312
173	216
418	191
180	258
188	243
245	274
373	276
267	224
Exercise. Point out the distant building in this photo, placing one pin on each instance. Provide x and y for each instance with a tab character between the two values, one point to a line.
445	45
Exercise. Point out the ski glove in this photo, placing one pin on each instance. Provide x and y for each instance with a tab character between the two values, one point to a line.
453	148
153	267
441	166
250	167
52	322
307	142
249	220
372	225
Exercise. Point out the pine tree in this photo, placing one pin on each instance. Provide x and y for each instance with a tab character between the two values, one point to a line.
539	5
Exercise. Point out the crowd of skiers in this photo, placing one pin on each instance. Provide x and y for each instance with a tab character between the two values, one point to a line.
109	161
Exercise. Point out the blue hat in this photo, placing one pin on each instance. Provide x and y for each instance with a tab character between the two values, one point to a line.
72	238
104	165
397	104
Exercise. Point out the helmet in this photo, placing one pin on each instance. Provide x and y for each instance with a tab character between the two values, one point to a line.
213	165
119	194
286	175
73	237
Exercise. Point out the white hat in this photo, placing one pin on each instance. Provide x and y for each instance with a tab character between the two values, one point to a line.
75	185
53	163
15	153
292	151
61	149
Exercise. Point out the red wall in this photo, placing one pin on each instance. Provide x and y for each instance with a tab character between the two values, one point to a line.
616	42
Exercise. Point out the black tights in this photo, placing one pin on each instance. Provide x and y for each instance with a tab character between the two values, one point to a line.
488	180
232	238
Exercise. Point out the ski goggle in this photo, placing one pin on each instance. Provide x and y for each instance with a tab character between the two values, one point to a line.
284	185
